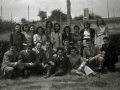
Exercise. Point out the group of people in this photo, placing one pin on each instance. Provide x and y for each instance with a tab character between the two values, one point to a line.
51	52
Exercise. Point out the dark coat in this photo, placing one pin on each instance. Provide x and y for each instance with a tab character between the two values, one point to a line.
92	33
18	40
64	36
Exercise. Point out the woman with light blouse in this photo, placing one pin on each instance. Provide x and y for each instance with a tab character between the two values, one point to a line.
100	32
39	36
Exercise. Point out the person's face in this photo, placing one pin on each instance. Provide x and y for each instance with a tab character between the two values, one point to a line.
57	27
17	28
13	48
73	52
32	28
89	44
106	41
38	46
29	49
26	28
76	30
100	21
47	45
86	26
60	52
67	30
40	31
79	43
49	25
66	43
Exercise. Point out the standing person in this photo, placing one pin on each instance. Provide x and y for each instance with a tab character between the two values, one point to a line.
32	29
100	32
10	62
49	26
93	55
110	55
56	36
67	34
39	36
76	35
28	35
80	47
17	37
87	33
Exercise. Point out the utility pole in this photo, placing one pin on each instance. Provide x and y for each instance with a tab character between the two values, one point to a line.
28	12
46	11
60	17
113	12
68	13
1	13
11	17
108	8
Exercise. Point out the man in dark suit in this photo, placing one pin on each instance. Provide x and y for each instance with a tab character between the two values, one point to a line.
110	55
60	65
66	47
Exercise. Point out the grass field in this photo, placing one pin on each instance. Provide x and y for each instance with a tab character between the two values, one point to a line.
108	81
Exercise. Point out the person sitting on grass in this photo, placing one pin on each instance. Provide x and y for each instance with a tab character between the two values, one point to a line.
66	46
78	64
110	55
60	64
29	61
93	55
41	56
10	63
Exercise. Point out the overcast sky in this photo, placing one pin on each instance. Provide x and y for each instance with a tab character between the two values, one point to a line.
19	8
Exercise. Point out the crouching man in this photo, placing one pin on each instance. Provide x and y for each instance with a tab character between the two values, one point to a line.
78	64
10	63
60	65
93	56
29	61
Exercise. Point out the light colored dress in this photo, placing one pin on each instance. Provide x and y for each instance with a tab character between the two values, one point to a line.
101	32
38	38
56	39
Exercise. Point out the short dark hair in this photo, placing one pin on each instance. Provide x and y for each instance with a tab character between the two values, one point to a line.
18	25
59	48
50	23
58	25
43	31
32	26
25	26
87	23
89	40
65	28
76	26
73	48
12	44
106	38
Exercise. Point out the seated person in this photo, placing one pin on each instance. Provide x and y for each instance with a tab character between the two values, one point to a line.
110	55
66	46
60	64
41	56
78	63
79	46
93	55
29	60
49	52
10	62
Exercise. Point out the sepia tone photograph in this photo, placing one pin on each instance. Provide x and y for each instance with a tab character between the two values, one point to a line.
59	44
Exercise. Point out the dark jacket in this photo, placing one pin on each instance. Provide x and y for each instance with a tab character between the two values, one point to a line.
92	33
64	36
17	39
